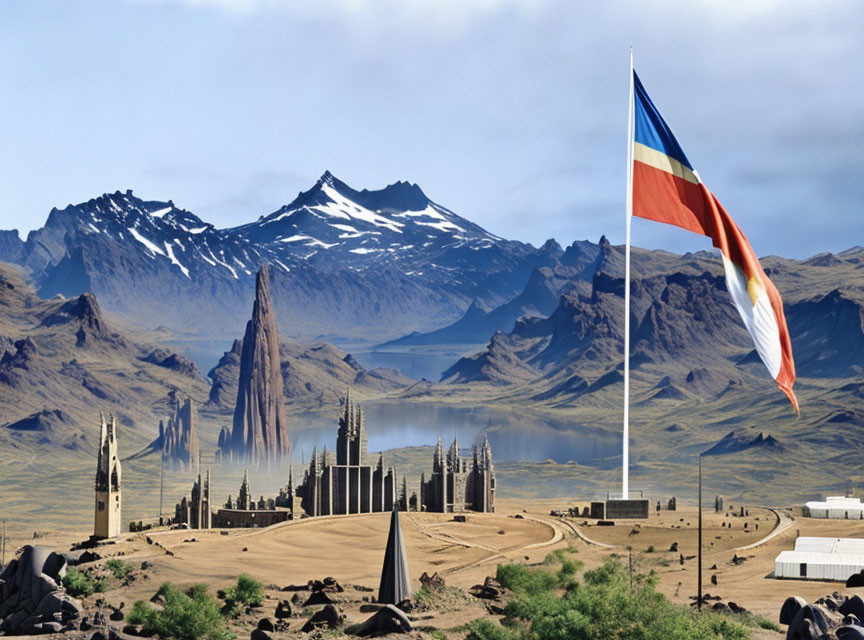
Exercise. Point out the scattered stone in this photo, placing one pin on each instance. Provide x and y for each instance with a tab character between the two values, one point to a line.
318	597
810	623
326	618
460	518
719	606
791	606
266	624
388	619
673	547
260	634
491	589
735	608
331	584
853	605
434	581
283	610
714	579
146	565
850	632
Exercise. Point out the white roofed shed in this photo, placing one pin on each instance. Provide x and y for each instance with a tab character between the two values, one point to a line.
821	559
835	507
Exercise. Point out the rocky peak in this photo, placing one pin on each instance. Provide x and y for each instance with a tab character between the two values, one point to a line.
260	432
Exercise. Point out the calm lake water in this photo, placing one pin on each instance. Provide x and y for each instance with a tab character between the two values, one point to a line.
512	435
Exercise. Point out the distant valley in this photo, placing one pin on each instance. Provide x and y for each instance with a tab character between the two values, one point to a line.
127	304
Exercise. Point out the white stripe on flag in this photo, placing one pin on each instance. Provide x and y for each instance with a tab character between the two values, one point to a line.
757	316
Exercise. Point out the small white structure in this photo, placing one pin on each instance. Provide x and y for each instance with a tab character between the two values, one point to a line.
835	507
821	559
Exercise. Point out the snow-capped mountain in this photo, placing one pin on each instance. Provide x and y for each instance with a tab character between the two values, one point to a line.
343	261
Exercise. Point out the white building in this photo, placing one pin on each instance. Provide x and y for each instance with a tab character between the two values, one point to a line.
836	507
821	559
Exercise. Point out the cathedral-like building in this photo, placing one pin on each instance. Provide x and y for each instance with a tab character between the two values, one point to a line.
108	482
351	485
196	512
454	487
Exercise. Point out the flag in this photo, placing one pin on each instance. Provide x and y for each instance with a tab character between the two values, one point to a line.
666	188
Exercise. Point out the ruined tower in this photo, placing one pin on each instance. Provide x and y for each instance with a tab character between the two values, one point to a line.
108	482
260	431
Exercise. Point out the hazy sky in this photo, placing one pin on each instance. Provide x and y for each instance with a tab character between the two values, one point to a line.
512	114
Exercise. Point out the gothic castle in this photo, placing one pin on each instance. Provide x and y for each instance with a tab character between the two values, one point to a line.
350	485
452	487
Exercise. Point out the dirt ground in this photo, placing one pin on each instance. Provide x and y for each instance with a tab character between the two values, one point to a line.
350	548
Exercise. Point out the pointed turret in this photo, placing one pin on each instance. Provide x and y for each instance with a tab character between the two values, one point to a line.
395	585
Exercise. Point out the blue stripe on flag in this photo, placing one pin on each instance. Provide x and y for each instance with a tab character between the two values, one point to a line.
652	130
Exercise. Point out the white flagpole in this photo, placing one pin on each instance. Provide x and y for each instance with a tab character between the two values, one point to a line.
625	451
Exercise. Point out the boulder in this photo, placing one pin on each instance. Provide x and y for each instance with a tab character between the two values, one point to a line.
791	606
260	634
32	600
283	610
810	623
318	597
853	605
266	624
850	632
326	618
388	619
851	619
855	580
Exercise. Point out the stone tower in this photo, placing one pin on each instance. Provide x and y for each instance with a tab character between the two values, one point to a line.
108	482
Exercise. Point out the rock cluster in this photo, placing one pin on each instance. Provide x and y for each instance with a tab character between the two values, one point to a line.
833	616
260	431
32	600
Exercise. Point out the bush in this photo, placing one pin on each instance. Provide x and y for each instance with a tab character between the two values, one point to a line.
80	584
119	568
650	549
248	592
188	615
602	606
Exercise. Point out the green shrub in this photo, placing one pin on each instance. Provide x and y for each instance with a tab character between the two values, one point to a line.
248	591
485	629
119	568
550	605
437	634
80	584
185	615
650	549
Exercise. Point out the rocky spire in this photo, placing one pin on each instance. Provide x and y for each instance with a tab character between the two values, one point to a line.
395	586
180	439
260	433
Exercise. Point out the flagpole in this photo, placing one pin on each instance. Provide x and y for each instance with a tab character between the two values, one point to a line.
625	451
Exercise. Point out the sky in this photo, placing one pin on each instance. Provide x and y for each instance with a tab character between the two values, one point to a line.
512	114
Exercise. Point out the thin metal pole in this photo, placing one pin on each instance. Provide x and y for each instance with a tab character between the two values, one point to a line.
625	451
699	506
3	547
161	483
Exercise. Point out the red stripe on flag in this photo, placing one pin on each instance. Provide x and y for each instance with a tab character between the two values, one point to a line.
663	197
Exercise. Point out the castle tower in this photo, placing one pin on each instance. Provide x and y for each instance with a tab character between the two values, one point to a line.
245	501
108	481
206	511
